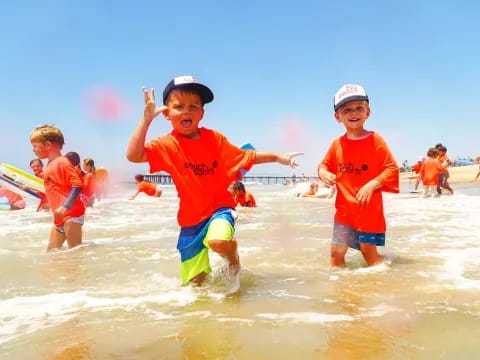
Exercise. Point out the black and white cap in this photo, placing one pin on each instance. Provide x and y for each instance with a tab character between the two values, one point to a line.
349	92
188	83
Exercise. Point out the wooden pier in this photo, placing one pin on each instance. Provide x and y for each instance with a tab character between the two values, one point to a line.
166	179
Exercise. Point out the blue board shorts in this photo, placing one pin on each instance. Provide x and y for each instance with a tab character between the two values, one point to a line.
193	242
347	235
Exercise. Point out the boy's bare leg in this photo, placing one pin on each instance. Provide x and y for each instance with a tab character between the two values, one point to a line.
227	250
56	239
370	254
198	280
73	233
337	255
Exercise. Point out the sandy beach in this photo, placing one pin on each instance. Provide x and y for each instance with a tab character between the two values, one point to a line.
458	174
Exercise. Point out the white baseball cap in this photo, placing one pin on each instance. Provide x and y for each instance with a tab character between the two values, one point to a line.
349	92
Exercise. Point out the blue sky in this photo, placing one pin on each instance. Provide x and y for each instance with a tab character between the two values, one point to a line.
273	66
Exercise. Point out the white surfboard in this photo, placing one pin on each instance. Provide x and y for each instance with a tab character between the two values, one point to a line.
10	185
21	178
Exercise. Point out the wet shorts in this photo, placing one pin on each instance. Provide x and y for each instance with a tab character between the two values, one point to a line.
347	235
78	220
193	242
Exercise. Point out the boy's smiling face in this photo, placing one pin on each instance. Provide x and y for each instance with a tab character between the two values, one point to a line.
353	115
185	111
40	149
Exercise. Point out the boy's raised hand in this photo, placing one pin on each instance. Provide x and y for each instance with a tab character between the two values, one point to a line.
288	159
151	109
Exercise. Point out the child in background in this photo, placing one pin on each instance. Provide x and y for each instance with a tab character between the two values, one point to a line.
360	164
312	192
15	201
146	187
74	159
202	163
89	182
37	167
477	160
242	197
62	187
430	172
416	169
444	174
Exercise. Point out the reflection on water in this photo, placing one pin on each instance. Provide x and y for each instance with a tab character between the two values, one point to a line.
119	296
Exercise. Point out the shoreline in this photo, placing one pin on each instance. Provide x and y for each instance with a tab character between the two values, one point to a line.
458	174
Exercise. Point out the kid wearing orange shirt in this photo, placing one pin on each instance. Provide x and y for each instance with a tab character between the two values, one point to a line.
430	172
202	163
89	182
241	196
146	187
62	187
444	174
416	169
360	164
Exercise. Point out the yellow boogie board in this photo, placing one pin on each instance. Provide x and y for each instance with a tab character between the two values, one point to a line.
21	178
12	186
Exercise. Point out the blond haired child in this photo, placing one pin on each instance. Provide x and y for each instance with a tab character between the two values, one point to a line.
62	187
202	163
361	165
89	182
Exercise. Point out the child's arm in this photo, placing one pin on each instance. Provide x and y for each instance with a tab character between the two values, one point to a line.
135	150
284	159
134	195
364	195
329	178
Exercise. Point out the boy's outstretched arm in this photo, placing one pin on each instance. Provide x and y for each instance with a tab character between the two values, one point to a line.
284	159
135	149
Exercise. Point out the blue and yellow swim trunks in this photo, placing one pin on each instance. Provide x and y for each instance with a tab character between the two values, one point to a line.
193	242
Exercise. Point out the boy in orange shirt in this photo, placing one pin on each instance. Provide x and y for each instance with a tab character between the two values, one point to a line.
146	187
202	163
62	187
416	169
241	196
430	172
360	164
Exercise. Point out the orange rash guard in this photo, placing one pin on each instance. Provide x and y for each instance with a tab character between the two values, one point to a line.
59	177
201	169
355	163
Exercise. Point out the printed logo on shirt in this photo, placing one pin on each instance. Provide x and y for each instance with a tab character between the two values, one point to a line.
202	168
349	168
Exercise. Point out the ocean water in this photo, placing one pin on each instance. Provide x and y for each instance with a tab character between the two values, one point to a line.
119	297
